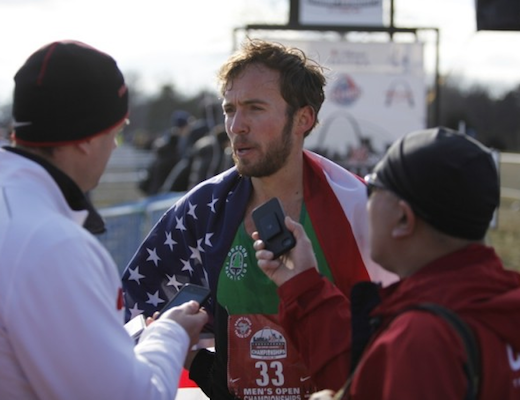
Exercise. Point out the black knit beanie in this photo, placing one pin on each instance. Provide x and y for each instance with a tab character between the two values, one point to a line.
67	92
449	179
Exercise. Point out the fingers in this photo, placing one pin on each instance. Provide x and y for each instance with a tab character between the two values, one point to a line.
293	226
269	266
261	254
188	309
191	307
203	316
299	259
153	318
296	228
190	317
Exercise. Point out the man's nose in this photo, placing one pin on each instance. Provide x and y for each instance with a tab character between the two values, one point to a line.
237	123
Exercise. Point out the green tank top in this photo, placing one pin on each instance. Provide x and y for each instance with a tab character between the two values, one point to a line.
242	286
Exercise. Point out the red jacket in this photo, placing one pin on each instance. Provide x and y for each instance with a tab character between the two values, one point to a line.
418	355
316	316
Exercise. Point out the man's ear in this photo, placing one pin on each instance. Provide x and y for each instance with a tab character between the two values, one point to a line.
405	226
305	118
84	146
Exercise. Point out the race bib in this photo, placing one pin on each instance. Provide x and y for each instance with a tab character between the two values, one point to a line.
262	364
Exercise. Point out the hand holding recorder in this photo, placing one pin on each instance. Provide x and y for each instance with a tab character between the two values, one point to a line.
190	316
183	308
269	221
282	268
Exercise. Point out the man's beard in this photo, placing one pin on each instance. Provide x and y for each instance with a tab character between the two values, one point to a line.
275	157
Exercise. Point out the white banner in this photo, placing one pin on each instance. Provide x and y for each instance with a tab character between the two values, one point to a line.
375	93
341	12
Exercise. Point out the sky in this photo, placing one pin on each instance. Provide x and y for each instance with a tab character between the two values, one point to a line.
184	42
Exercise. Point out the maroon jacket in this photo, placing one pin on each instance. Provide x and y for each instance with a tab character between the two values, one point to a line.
316	316
416	354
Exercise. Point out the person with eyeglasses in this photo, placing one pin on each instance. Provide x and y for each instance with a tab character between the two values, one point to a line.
431	200
62	333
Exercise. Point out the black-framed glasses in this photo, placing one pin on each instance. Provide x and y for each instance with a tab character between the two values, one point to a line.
372	183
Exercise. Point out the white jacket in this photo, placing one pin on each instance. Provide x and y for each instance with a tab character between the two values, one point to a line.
61	317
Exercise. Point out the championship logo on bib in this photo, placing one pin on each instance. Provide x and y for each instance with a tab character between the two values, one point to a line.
268	344
262	363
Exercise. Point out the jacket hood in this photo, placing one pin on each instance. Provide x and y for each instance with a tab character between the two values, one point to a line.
472	282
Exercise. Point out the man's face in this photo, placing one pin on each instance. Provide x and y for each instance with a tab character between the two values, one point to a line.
383	215
256	122
102	147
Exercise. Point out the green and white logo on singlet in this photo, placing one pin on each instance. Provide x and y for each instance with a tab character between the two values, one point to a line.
236	265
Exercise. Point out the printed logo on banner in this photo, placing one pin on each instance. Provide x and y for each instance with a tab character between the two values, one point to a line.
399	91
236	266
268	344
345	91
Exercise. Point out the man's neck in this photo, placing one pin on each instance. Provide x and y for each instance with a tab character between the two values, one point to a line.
286	184
431	246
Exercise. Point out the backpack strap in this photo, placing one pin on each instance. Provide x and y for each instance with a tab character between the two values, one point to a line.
472	366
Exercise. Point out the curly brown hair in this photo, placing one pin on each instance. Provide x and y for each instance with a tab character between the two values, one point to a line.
302	80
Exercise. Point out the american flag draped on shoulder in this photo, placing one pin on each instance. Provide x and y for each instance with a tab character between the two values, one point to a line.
188	244
191	240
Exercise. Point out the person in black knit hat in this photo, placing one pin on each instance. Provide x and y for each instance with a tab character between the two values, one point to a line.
449	328
67	92
61	305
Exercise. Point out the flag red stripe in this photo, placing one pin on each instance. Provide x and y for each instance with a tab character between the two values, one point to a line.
332	228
